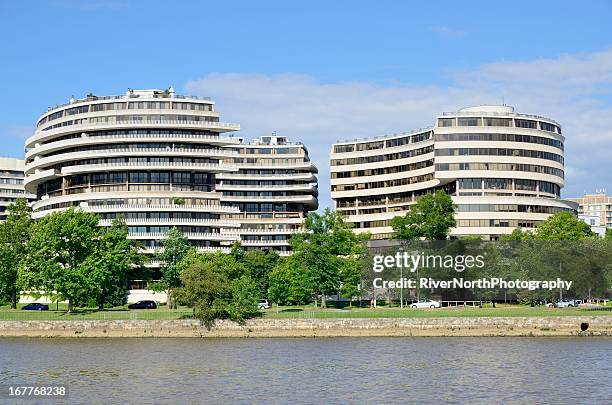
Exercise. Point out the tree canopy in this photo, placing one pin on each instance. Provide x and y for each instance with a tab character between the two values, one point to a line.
322	249
560	226
431	218
14	236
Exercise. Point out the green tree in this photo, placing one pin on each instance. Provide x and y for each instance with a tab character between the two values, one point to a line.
328	241
243	303
14	236
175	248
563	226
289	283
350	275
260	264
431	217
205	290
111	264
608	234
59	254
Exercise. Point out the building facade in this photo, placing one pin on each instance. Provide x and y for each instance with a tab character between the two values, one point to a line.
149	156
274	188
504	171
11	184
596	205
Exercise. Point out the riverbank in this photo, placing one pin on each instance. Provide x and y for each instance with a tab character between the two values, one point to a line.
379	327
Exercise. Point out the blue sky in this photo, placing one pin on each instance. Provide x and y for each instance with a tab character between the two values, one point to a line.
318	71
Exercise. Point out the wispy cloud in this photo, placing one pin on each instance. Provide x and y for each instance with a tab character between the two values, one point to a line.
572	89
444	31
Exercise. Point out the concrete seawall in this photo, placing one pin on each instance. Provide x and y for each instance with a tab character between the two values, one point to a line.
460	326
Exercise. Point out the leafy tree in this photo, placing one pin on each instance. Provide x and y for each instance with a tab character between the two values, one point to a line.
563	226
109	267
608	234
260	264
244	296
14	236
209	290
289	283
205	290
518	234
350	275
59	254
431	217
176	248
328	241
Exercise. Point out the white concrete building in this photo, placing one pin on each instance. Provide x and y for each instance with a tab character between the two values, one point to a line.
11	183
504	171
274	188
149	155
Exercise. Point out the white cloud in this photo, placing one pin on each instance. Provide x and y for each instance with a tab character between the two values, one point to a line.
572	89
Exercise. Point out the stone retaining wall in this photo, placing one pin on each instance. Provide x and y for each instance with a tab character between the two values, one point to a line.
460	326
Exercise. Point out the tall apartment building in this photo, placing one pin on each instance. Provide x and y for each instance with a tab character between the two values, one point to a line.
164	160
11	184
274	188
149	155
596	205
504	171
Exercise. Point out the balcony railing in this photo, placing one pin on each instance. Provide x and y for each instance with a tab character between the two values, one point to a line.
92	167
188	235
48	131
206	221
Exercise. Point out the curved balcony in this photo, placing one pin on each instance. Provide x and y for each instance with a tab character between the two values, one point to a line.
42	135
201	249
119	166
268	231
277	165
306	199
131	138
189	235
274	187
128	152
265	243
221	209
216	223
33	180
305	176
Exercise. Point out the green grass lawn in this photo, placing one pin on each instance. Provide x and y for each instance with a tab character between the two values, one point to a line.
306	311
117	313
500	311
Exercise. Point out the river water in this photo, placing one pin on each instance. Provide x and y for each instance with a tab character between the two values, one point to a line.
322	370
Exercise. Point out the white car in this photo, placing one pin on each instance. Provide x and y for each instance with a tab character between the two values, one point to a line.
263	304
425	304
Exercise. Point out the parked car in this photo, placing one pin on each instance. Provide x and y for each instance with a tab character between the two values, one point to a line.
263	304
146	304
426	304
566	304
35	306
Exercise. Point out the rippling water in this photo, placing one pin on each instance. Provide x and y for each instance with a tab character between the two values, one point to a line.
328	370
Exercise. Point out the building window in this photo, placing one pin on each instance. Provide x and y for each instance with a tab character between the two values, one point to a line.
445	122
469	122
497	122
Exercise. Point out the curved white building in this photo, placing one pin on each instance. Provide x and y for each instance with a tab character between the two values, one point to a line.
11	184
274	188
149	155
504	170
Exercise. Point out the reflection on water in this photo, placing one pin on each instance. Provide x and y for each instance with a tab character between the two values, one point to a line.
478	370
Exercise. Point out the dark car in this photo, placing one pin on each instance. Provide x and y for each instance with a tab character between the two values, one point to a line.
35	306
146	304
